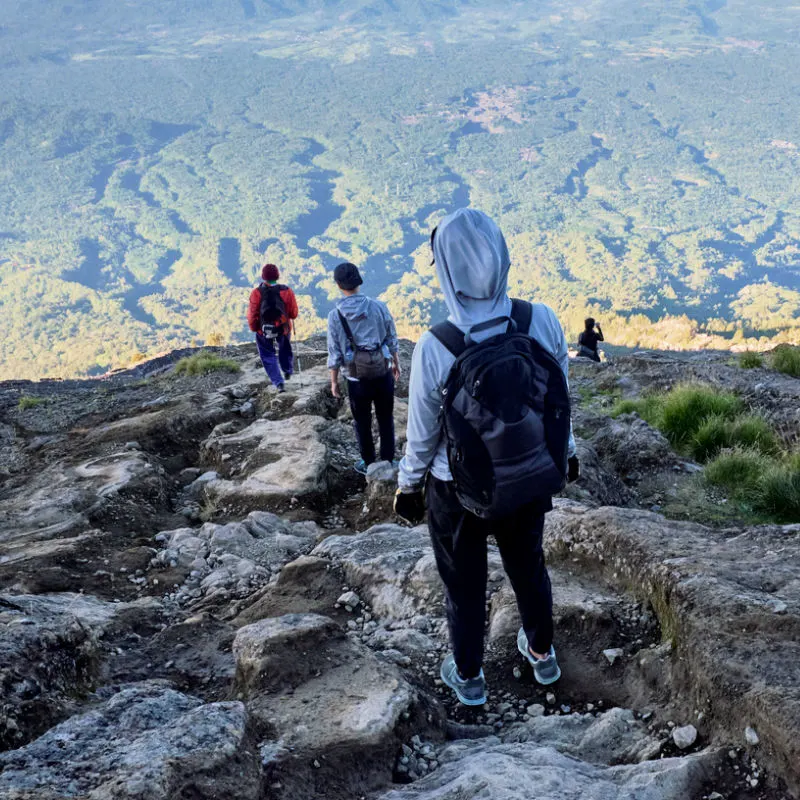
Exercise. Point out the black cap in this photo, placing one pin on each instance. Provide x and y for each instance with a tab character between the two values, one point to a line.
347	276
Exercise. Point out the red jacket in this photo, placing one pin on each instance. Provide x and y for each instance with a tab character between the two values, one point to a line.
254	310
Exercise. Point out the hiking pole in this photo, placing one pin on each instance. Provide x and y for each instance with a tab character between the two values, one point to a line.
297	358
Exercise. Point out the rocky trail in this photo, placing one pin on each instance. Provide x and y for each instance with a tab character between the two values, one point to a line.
200	599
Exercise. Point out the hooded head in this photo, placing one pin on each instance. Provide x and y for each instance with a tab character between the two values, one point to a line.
270	273
472	264
589	323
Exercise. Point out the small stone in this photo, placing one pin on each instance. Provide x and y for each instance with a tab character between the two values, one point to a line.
551	698
517	673
317	765
590	706
349	600
685	736
535	710
613	653
750	736
715	796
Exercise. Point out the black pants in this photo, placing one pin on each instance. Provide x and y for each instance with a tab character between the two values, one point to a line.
363	394
459	544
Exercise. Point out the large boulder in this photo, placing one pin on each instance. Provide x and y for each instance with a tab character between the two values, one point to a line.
236	559
270	461
393	568
489	770
332	709
633	448
148	742
51	652
727	600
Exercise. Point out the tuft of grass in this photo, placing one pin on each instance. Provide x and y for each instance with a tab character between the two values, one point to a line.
738	470
754	431
27	401
686	408
717	433
767	484
751	360
648	408
787	360
779	492
203	363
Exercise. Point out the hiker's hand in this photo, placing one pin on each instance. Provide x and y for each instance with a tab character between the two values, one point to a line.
335	390
396	371
410	506
574	469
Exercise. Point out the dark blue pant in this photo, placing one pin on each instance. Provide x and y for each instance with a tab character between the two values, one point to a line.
363	394
459	544
274	363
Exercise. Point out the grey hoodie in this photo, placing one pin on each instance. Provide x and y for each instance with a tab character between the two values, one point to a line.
472	264
370	323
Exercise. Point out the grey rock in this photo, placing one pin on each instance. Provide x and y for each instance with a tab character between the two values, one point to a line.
143	743
751	737
492	770
684	736
613	653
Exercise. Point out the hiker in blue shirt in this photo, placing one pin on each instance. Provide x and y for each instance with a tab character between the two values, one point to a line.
362	340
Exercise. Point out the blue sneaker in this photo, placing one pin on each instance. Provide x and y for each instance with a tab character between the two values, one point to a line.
360	467
470	692
545	670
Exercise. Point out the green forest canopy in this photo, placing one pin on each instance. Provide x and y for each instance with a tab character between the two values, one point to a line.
641	157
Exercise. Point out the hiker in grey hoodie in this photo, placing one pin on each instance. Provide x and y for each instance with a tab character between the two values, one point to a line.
472	264
362	340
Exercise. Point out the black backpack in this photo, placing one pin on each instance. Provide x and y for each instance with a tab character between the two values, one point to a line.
506	416
273	311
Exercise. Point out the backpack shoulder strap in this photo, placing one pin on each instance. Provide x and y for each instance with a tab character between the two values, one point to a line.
451	337
346	328
522	314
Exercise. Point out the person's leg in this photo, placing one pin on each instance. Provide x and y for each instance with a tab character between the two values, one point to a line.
285	354
519	538
383	395
459	545
266	350
361	407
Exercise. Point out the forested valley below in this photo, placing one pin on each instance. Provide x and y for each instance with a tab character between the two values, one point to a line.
641	158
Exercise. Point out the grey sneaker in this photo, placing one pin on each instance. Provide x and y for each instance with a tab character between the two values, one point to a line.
470	692
545	670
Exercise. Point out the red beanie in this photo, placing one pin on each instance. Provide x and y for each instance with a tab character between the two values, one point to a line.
270	273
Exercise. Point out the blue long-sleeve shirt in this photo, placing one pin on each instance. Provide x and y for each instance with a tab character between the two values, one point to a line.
430	367
371	324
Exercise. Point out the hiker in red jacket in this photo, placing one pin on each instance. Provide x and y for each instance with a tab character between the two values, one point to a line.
272	309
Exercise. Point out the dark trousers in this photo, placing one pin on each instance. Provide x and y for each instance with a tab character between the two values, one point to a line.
459	544
363	394
274	363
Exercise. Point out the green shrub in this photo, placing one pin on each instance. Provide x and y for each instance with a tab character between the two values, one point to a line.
713	435
738	470
648	408
27	402
686	408
779	492
755	432
751	360
203	363
787	360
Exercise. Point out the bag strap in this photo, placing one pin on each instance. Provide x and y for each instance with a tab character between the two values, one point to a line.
451	337
347	332
522	314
